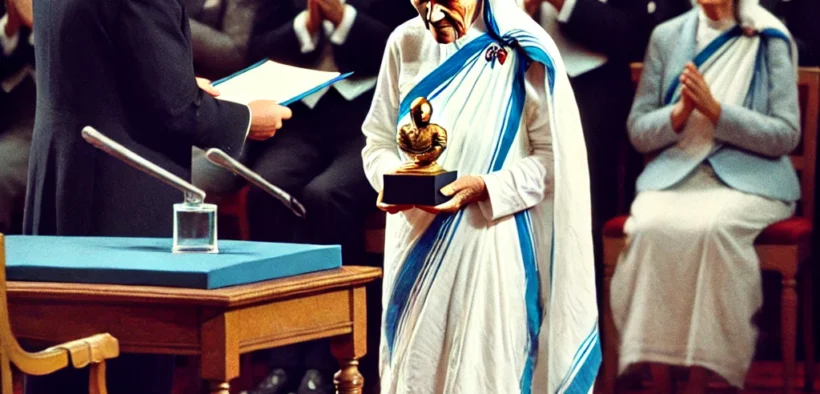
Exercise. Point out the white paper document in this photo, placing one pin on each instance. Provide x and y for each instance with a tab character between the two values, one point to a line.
268	80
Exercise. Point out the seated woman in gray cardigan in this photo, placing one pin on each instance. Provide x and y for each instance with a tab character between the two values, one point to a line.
717	103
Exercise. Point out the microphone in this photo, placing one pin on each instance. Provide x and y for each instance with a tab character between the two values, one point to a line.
192	193
221	159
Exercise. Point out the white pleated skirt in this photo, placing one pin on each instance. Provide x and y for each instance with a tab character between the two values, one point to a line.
688	282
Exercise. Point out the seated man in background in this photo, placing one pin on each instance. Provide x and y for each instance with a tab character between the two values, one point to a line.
220	30
800	17
317	158
17	100
597	41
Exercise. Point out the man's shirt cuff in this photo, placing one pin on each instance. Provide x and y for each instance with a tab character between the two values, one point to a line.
9	44
307	41
339	35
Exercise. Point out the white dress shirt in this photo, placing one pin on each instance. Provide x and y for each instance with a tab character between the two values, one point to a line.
347	88
9	44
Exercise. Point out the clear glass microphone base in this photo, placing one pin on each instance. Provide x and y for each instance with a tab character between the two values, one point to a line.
195	228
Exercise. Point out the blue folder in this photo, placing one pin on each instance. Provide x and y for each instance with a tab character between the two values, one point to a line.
292	99
149	261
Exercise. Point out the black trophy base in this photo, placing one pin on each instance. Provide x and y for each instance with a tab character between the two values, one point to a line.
409	189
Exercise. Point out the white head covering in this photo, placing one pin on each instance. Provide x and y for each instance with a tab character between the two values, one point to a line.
753	16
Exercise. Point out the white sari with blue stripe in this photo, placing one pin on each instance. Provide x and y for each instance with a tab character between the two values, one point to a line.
490	299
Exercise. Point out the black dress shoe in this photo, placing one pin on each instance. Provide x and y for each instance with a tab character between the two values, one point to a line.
315	382
274	383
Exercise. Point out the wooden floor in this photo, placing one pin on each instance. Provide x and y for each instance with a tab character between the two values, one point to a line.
764	378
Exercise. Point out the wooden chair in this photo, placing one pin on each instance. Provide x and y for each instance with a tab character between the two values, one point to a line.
784	247
235	206
93	350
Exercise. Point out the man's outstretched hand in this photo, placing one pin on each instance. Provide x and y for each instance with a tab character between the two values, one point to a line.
205	84
266	118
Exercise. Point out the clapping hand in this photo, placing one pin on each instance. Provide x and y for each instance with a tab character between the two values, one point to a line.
681	111
695	89
532	7
333	10
19	14
314	16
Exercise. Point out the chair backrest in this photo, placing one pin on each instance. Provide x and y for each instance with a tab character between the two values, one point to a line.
6	339
804	158
10	350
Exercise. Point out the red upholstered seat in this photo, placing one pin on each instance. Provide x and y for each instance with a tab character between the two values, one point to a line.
615	227
787	232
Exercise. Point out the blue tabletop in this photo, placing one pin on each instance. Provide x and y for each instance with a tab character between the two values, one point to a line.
149	261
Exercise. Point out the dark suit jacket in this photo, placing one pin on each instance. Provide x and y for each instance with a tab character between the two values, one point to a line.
19	103
125	68
220	34
800	17
273	35
621	30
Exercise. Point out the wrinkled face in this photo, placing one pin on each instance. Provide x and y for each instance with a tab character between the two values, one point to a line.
447	20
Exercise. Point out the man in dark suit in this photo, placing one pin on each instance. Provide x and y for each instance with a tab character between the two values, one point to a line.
801	18
16	112
220	30
125	68
317	157
606	36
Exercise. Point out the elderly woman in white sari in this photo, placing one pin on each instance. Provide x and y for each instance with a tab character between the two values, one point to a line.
480	294
717	103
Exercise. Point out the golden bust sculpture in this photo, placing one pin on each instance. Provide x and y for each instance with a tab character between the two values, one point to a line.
421	140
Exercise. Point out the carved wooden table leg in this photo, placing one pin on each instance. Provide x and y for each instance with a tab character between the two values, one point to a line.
219	387
348	380
348	349
219	363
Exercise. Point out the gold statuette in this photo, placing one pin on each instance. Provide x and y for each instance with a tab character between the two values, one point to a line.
421	140
419	181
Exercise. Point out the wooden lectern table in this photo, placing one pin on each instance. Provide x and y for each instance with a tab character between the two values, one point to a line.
217	325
